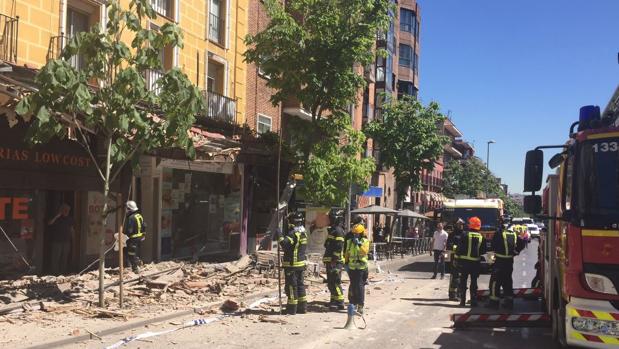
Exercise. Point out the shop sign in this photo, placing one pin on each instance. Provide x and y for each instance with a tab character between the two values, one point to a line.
14	208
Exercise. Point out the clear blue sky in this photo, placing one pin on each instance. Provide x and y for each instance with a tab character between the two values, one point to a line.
517	71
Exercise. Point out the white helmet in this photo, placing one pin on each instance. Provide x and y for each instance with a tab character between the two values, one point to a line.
132	206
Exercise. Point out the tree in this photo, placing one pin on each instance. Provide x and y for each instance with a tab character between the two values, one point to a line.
409	140
309	51
471	177
108	100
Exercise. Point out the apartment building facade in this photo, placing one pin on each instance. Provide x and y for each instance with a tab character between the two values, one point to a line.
189	206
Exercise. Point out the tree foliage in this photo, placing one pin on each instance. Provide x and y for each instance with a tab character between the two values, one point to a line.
309	51
471	177
108	101
409	140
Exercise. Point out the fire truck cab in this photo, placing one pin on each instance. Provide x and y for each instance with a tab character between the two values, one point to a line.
579	253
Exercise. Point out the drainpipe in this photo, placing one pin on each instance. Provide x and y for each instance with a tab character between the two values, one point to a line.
63	20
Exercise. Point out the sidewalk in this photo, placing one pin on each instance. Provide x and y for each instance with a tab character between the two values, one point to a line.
69	324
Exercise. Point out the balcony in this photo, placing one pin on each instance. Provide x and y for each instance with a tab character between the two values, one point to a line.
151	77
56	44
220	108
216	29
163	7
9	31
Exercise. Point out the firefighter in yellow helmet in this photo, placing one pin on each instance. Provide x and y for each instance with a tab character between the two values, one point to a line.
356	249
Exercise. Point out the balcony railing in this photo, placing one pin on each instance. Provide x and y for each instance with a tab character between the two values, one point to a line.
216	29
219	107
151	80
9	31
163	7
56	44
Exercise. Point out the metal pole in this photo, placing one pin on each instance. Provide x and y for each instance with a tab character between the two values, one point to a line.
488	165
279	268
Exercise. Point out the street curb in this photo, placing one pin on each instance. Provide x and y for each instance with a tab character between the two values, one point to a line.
130	326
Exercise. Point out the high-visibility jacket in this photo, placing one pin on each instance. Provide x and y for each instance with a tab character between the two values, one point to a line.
506	244
334	245
135	226
356	255
471	246
294	245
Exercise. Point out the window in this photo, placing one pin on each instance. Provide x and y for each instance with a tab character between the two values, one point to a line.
77	22
166	58
216	21
163	7
416	64
265	124
406	88
215	77
406	55
408	21
380	68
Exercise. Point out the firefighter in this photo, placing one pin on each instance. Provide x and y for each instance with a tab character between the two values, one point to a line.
294	244
506	244
334	261
356	249
135	229
469	251
452	244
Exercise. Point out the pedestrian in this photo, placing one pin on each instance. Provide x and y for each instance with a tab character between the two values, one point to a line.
506	244
135	229
439	246
379	235
469	251
356	250
62	228
452	243
294	245
334	262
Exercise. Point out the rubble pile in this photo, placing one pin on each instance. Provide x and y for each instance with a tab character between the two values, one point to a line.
166	286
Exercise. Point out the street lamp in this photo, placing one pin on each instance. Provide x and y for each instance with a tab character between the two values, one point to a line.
488	155
488	166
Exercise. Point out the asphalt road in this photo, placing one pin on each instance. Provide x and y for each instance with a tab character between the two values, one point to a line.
404	309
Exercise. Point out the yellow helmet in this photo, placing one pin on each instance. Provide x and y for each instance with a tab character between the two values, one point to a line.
358	229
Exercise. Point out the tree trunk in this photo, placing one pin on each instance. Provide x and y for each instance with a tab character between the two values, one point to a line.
104	214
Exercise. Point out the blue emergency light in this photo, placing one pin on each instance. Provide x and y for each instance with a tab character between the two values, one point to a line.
590	116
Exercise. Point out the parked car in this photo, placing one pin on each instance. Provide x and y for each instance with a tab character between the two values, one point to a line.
534	230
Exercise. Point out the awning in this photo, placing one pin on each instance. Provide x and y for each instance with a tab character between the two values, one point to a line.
374	192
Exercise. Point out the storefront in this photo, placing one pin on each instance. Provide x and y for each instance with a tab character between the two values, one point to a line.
199	205
34	183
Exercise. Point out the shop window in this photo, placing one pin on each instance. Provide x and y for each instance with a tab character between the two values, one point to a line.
265	124
201	212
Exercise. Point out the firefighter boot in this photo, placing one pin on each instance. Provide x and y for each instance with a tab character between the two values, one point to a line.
302	308
463	299
340	305
291	309
492	304
473	299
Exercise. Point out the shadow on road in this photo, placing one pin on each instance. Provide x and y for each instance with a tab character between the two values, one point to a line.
426	299
423	267
495	338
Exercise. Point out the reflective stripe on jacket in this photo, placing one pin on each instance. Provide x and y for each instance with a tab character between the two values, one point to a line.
471	246
294	245
135	227
356	256
334	246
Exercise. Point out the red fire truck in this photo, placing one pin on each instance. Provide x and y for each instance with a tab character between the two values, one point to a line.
579	254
